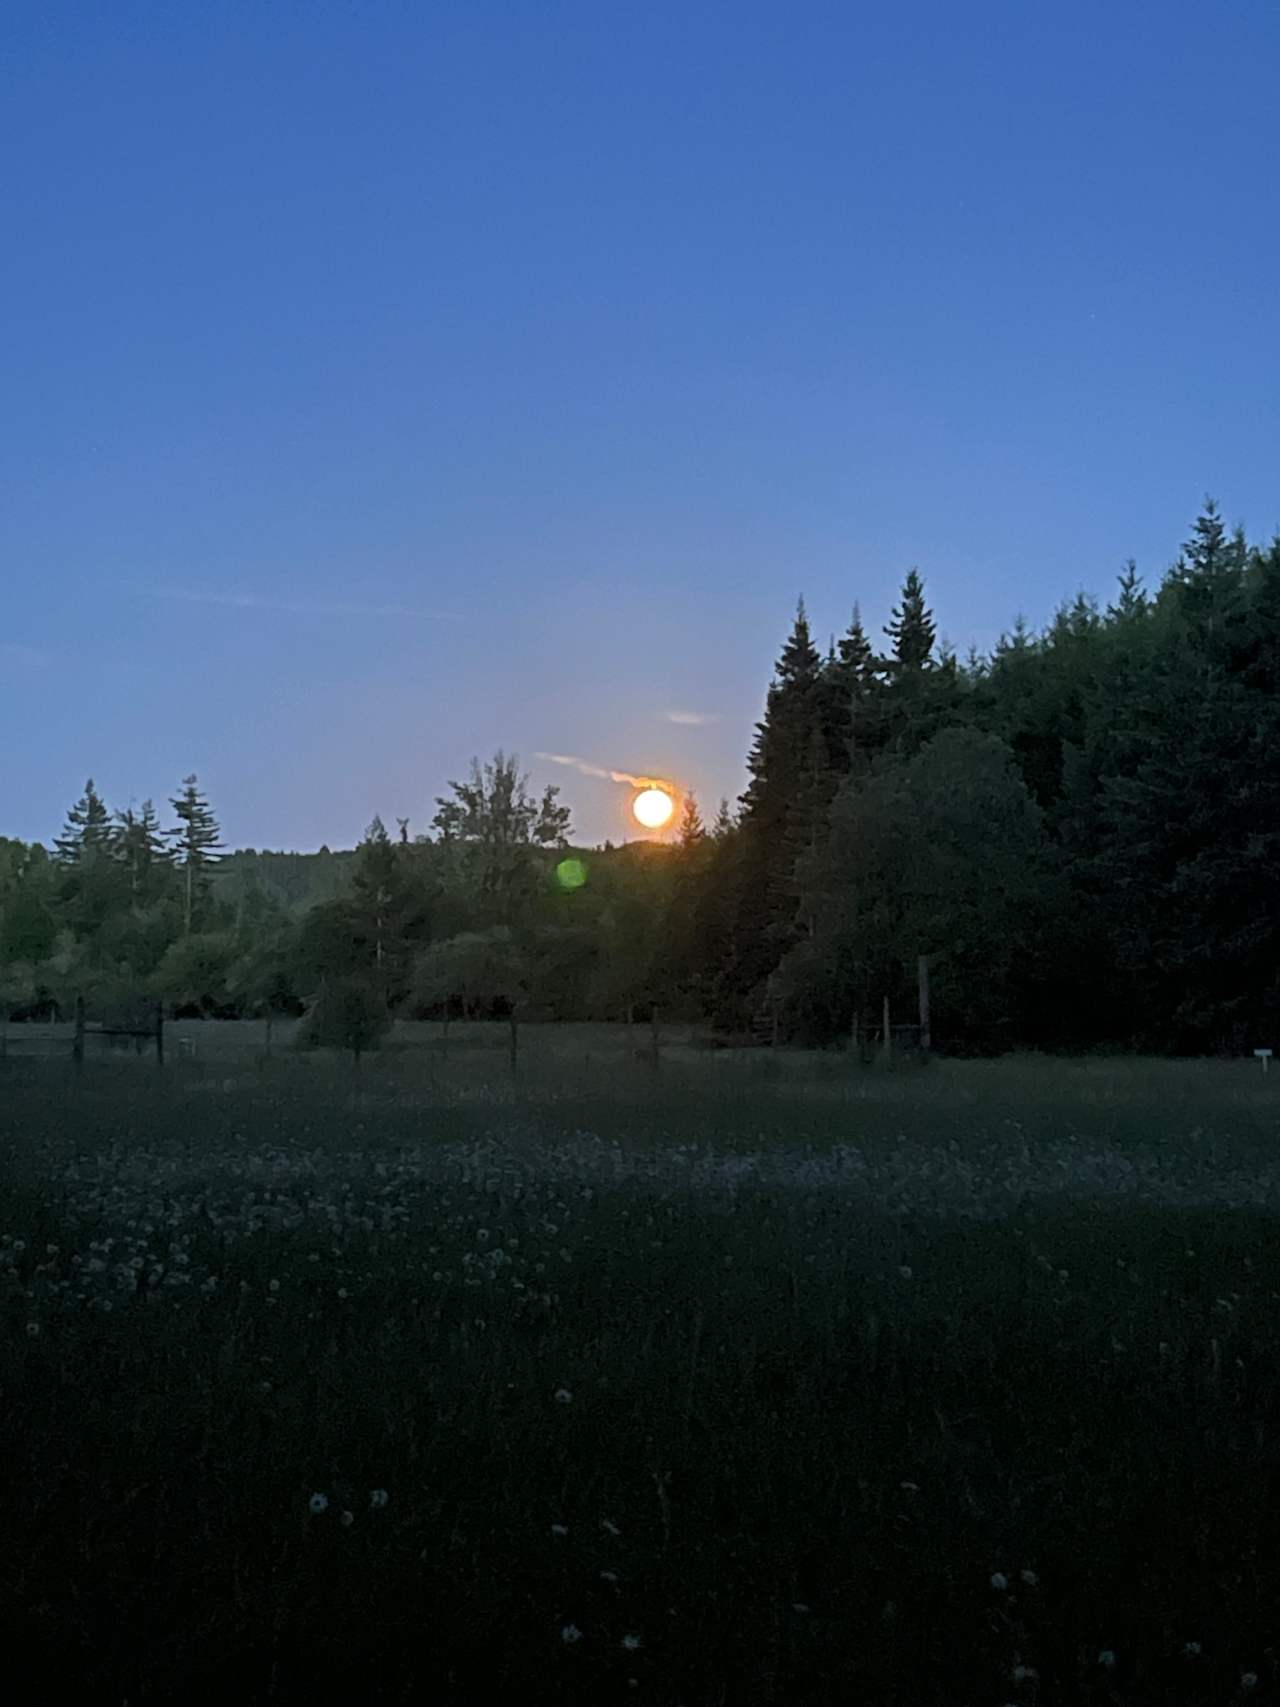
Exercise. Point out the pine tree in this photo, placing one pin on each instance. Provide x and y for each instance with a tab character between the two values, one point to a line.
196	841
911	628
88	828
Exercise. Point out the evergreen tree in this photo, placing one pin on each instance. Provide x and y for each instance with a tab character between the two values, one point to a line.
778	797
196	840
139	846
88	828
1131	602
389	905
692	832
911	628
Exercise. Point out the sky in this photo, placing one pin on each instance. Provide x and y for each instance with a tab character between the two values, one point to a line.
383	384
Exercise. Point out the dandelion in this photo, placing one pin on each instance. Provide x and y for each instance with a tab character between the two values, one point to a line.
347	1519
33	1330
999	1581
273	1286
609	1576
1192	1650
1248	1680
631	1643
1030	1579
318	1503
560	1530
1107	1659
378	1498
906	1271
563	1396
570	1634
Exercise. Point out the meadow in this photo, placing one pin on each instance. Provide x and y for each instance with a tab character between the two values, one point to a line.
745	1378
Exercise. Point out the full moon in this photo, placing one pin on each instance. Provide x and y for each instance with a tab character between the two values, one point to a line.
653	807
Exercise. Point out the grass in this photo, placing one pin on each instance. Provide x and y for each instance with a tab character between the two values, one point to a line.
774	1381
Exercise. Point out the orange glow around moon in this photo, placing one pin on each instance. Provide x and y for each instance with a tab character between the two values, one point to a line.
654	808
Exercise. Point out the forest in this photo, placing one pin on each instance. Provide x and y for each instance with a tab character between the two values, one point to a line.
1081	831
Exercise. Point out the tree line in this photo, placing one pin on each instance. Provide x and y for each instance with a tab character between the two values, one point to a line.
1079	831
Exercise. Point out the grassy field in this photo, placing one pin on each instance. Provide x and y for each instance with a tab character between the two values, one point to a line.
745	1379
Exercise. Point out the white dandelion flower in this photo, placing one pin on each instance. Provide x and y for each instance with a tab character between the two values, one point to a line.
1248	1680
906	1271
999	1581
1107	1659
347	1519
318	1503
631	1643
563	1396
1030	1578
1192	1650
560	1529
570	1634
378	1498
33	1330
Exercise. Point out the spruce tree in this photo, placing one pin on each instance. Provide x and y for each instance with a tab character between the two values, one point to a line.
196	841
138	844
1131	602
777	797
692	832
911	627
88	828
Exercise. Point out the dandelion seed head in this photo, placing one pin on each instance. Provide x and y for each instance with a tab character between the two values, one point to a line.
317	1504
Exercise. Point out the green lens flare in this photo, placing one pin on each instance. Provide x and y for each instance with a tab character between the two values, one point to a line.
571	874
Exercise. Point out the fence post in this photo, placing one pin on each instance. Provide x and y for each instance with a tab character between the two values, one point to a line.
926	1039
77	1042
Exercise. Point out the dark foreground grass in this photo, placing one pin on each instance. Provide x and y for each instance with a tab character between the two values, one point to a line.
644	1435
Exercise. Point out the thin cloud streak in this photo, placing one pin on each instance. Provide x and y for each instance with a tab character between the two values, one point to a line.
692	719
585	768
295	607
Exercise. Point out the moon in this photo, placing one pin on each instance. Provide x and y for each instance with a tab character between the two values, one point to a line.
653	807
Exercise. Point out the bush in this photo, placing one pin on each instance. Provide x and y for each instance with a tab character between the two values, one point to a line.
347	1014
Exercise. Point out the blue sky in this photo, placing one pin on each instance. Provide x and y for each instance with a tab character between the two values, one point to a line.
385	383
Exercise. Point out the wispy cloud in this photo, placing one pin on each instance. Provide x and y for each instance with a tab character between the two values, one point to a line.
585	768
294	607
692	719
